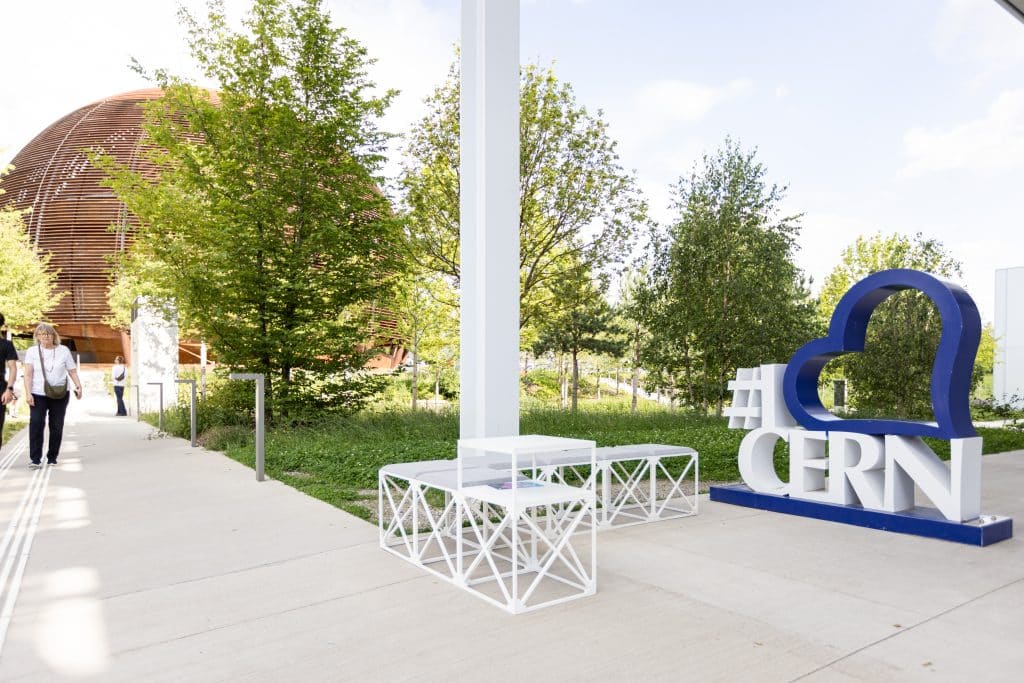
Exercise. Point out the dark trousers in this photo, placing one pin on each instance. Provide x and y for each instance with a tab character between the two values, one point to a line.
37	421
119	393
3	414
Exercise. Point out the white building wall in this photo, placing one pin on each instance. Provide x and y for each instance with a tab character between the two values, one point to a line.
154	356
1008	375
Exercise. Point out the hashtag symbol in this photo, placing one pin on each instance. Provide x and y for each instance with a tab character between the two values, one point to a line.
757	399
745	411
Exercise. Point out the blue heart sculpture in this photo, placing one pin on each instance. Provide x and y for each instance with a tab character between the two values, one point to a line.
951	375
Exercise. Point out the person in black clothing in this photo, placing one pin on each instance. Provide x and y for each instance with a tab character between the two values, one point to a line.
119	376
9	357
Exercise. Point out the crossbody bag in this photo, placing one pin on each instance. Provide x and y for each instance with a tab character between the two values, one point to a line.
57	392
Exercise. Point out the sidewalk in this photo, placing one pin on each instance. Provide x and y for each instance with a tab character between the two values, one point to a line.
155	561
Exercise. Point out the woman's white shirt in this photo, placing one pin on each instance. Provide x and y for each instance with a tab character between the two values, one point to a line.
119	370
58	361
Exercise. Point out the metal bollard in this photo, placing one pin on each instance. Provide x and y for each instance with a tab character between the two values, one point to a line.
259	379
202	369
161	403
192	407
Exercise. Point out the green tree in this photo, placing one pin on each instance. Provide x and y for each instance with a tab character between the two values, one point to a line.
427	325
133	277
636	309
893	375
729	293
265	219
28	289
577	204
986	359
585	322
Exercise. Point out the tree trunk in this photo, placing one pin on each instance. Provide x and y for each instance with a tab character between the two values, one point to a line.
721	395
415	375
562	395
599	383
437	385
636	382
617	380
575	381
691	400
704	395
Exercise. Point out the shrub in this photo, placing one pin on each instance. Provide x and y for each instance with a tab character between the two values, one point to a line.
223	437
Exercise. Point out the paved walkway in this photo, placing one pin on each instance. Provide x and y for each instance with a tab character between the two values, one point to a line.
155	561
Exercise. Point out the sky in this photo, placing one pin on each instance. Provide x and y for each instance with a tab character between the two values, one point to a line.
878	116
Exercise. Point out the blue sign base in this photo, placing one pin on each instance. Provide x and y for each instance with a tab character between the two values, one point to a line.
919	521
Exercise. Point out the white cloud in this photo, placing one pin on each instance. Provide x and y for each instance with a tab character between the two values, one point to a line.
669	102
823	236
655	109
654	126
982	33
88	51
991	144
76	53
413	46
980	258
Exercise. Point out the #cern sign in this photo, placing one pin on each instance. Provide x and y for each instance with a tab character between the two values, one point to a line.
858	471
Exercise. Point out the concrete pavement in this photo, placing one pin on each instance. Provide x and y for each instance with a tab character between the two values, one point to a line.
155	561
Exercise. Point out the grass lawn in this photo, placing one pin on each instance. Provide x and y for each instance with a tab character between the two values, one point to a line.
13	425
337	460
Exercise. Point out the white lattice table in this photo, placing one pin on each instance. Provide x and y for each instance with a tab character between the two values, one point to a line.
506	538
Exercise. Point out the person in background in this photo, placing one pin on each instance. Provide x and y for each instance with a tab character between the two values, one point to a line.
9	357
54	362
15	394
119	376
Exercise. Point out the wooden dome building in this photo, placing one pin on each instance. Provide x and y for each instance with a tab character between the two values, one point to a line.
81	223
72	213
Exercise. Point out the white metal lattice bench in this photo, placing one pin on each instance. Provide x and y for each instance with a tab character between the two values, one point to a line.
460	520
635	484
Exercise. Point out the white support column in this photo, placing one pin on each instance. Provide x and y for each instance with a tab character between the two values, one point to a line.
154	356
489	217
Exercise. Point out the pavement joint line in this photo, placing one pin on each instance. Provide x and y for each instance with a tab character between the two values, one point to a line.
15	447
270	615
24	535
208	577
908	629
630	531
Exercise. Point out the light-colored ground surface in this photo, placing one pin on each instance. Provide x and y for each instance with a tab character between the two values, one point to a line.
154	561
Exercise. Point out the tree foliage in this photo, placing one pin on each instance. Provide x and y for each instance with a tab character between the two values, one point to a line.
726	292
893	375
577	204
28	289
265	223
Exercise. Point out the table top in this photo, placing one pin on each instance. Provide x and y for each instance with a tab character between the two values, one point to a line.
527	443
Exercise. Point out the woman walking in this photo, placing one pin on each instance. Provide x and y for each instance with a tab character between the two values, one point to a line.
47	368
119	375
